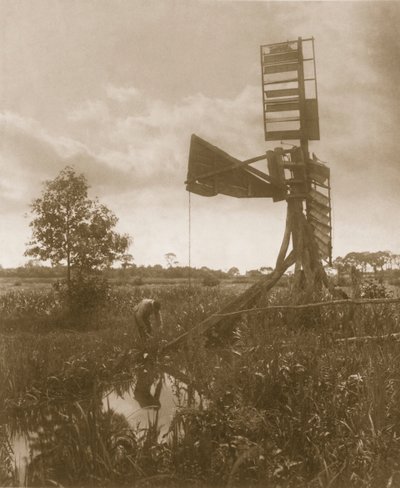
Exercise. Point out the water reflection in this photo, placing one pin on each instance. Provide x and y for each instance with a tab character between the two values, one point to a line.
82	442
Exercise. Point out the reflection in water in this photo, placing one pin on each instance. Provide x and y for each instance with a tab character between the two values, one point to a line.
66	444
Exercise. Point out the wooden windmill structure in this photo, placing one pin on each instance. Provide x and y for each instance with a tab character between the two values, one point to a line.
290	109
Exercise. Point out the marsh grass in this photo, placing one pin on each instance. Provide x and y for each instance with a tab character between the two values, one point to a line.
287	405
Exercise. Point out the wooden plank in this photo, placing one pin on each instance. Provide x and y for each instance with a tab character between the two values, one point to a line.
319	216
317	208
323	235
278	82
324	227
282	106
284	92
311	119
280	119
271	58
318	172
279	135
280	68
319	198
324	250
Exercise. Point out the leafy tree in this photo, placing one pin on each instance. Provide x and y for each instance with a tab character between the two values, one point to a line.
70	228
378	259
266	269
234	271
171	260
127	261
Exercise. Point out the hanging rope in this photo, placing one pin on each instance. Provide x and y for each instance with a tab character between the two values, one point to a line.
190	240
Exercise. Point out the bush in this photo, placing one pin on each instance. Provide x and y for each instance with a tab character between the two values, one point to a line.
85	295
137	281
374	289
210	280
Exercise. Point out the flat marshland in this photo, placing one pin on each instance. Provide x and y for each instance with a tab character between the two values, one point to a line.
277	400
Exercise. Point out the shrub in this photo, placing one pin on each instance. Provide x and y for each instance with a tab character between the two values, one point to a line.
138	281
374	289
210	280
85	295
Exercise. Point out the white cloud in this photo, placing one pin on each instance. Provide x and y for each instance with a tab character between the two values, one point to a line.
90	110
122	94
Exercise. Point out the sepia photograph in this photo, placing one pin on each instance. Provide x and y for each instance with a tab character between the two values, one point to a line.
199	243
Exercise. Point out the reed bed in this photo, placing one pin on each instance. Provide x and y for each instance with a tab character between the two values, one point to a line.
288	404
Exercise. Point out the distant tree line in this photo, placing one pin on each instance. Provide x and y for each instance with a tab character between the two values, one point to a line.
368	261
35	270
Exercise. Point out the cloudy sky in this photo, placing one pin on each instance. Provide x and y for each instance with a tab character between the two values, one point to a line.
116	88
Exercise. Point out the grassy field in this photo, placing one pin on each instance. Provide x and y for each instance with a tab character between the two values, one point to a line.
287	402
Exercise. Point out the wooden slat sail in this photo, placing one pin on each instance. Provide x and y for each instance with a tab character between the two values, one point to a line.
272	58
323	235
283	135
282	106
281	68
283	92
319	216
318	171
324	249
283	76
319	198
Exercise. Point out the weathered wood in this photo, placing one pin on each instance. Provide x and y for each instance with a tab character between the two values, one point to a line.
282	105
322	234
318	171
278	135
273	58
280	67
278	82
284	92
321	217
212	171
319	198
285	241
